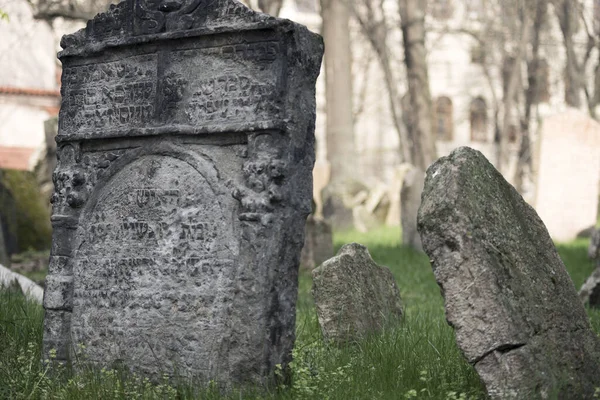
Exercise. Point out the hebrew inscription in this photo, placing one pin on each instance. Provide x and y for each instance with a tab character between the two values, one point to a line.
153	252
243	84
240	83
110	95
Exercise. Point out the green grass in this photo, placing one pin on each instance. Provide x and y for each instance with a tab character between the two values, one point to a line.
416	358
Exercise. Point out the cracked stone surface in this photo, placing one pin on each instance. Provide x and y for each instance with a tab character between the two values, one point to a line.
514	308
353	295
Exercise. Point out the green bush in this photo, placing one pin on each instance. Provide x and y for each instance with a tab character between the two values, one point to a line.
33	215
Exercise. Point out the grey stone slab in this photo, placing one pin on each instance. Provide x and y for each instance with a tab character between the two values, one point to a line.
513	306
185	147
590	290
28	287
354	296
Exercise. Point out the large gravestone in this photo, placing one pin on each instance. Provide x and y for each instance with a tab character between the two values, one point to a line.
185	151
512	304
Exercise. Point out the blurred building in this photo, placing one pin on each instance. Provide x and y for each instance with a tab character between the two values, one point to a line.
467	80
29	85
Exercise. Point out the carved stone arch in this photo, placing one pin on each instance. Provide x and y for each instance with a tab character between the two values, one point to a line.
180	235
478	119
203	165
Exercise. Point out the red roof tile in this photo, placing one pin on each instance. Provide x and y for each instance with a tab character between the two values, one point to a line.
15	157
29	91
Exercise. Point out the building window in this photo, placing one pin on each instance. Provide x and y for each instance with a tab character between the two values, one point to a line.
444	123
441	9
478	119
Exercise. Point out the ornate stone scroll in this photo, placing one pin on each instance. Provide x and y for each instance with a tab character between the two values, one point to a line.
185	151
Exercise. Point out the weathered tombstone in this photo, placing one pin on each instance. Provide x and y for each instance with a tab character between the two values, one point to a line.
353	295
25	285
410	200
318	243
373	212
512	304
321	174
590	290
185	152
339	198
594	247
395	188
569	174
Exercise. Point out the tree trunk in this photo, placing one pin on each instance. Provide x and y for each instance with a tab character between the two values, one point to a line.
420	133
524	161
508	101
341	151
567	13
376	31
271	7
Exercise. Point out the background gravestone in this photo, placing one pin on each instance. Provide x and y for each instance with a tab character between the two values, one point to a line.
568	182
353	295
590	290
318	243
512	304
185	150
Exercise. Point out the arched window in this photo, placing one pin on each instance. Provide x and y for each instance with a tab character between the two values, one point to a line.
478	118
444	124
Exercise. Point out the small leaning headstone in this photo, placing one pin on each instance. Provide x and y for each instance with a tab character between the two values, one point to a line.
513	306
185	150
353	295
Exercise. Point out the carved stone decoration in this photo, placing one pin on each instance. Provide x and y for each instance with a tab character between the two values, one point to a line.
185	151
